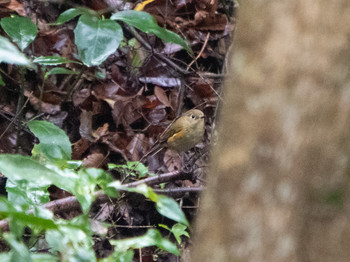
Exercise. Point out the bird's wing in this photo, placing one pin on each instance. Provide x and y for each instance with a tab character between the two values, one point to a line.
169	132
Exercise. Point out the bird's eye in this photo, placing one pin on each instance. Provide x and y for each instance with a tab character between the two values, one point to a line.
193	116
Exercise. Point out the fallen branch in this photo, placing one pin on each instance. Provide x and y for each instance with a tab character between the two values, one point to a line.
71	203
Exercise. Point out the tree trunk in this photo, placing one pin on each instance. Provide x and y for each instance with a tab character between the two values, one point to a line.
279	183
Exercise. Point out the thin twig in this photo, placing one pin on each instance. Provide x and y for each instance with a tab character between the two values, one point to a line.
161	57
179	190
200	52
14	118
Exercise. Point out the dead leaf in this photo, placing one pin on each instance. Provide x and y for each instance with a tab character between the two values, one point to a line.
96	160
45	107
136	147
172	160
101	131
85	128
18	7
79	148
161	95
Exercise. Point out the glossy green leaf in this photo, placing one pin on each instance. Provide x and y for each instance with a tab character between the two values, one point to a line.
60	71
6	256
33	221
43	258
53	60
169	208
152	238
17	167
10	54
54	142
133	168
96	39
138	167
18	249
21	30
146	23
72	13
86	186
23	192
178	230
73	239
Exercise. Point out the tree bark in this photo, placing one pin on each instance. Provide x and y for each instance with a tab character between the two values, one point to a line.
279	183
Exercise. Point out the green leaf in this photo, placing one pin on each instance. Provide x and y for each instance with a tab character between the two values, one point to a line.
33	221
10	54
2	83
168	207
53	60
27	193
18	249
134	168
178	230
152	238
146	23
60	71
138	167
73	239
96	39
6	257
54	142
72	13
21	30
43	258
17	167
119	256
86	186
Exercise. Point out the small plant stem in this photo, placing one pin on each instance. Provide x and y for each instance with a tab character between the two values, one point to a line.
20	105
73	86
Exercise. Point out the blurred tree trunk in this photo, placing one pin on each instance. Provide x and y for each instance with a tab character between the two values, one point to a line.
279	186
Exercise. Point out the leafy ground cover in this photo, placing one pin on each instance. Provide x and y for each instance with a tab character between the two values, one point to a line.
110	77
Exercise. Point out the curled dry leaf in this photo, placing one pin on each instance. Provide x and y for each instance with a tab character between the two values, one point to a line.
85	128
136	147
96	160
79	148
16	6
40	105
101	131
161	95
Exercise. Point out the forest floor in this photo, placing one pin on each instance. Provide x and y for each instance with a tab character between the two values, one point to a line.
115	112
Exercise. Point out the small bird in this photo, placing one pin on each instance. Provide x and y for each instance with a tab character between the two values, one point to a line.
185	132
182	134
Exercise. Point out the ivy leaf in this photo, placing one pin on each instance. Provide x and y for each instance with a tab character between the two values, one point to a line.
146	23
10	54
18	167
96	39
72	13
54	142
21	30
168	207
